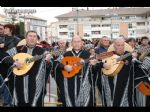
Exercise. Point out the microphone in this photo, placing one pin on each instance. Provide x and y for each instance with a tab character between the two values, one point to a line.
14	65
6	79
135	60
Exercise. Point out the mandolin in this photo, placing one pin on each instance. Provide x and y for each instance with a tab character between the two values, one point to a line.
28	61
116	62
77	65
144	87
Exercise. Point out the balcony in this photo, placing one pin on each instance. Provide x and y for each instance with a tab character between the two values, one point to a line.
63	36
115	30
141	27
95	28
96	36
63	30
105	28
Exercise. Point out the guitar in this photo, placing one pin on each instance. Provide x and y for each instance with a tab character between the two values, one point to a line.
116	62
77	65
28	61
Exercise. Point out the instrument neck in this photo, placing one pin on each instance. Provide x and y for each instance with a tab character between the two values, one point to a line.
124	56
35	58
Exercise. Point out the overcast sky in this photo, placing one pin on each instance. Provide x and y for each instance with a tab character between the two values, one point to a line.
49	13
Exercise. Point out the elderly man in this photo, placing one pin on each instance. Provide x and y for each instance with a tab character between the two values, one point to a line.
78	90
118	90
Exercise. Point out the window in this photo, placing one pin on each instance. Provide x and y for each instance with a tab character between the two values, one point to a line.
87	27
63	33
131	33
115	34
140	17
86	35
35	28
62	26
141	23
106	25
95	25
115	18
115	26
87	30
71	34
127	17
95	19
131	25
70	27
132	17
96	32
75	19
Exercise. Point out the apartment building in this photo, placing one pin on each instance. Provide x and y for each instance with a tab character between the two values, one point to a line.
89	24
37	24
2	19
31	23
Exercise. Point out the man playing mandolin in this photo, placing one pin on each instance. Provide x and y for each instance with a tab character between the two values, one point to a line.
117	88
29	87
74	77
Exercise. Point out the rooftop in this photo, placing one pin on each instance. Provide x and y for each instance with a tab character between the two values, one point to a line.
104	12
34	17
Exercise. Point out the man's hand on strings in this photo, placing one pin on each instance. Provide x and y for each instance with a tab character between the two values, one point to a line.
68	68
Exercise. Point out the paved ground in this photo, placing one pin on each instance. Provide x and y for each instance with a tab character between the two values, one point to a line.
51	96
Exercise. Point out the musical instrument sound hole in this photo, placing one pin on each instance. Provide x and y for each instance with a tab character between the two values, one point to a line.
147	86
67	62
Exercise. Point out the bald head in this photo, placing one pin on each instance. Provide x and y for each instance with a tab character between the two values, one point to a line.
76	37
77	42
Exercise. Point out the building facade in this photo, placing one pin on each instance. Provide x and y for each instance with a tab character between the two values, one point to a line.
52	32
3	19
31	23
90	24
37	24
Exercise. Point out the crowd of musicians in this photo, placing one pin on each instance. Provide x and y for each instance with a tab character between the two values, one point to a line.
116	71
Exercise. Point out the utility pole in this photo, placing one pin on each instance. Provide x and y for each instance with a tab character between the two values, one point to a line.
77	21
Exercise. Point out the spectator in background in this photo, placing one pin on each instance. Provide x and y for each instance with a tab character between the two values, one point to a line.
131	42
10	39
144	41
103	45
138	42
5	96
89	44
2	39
68	46
45	45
